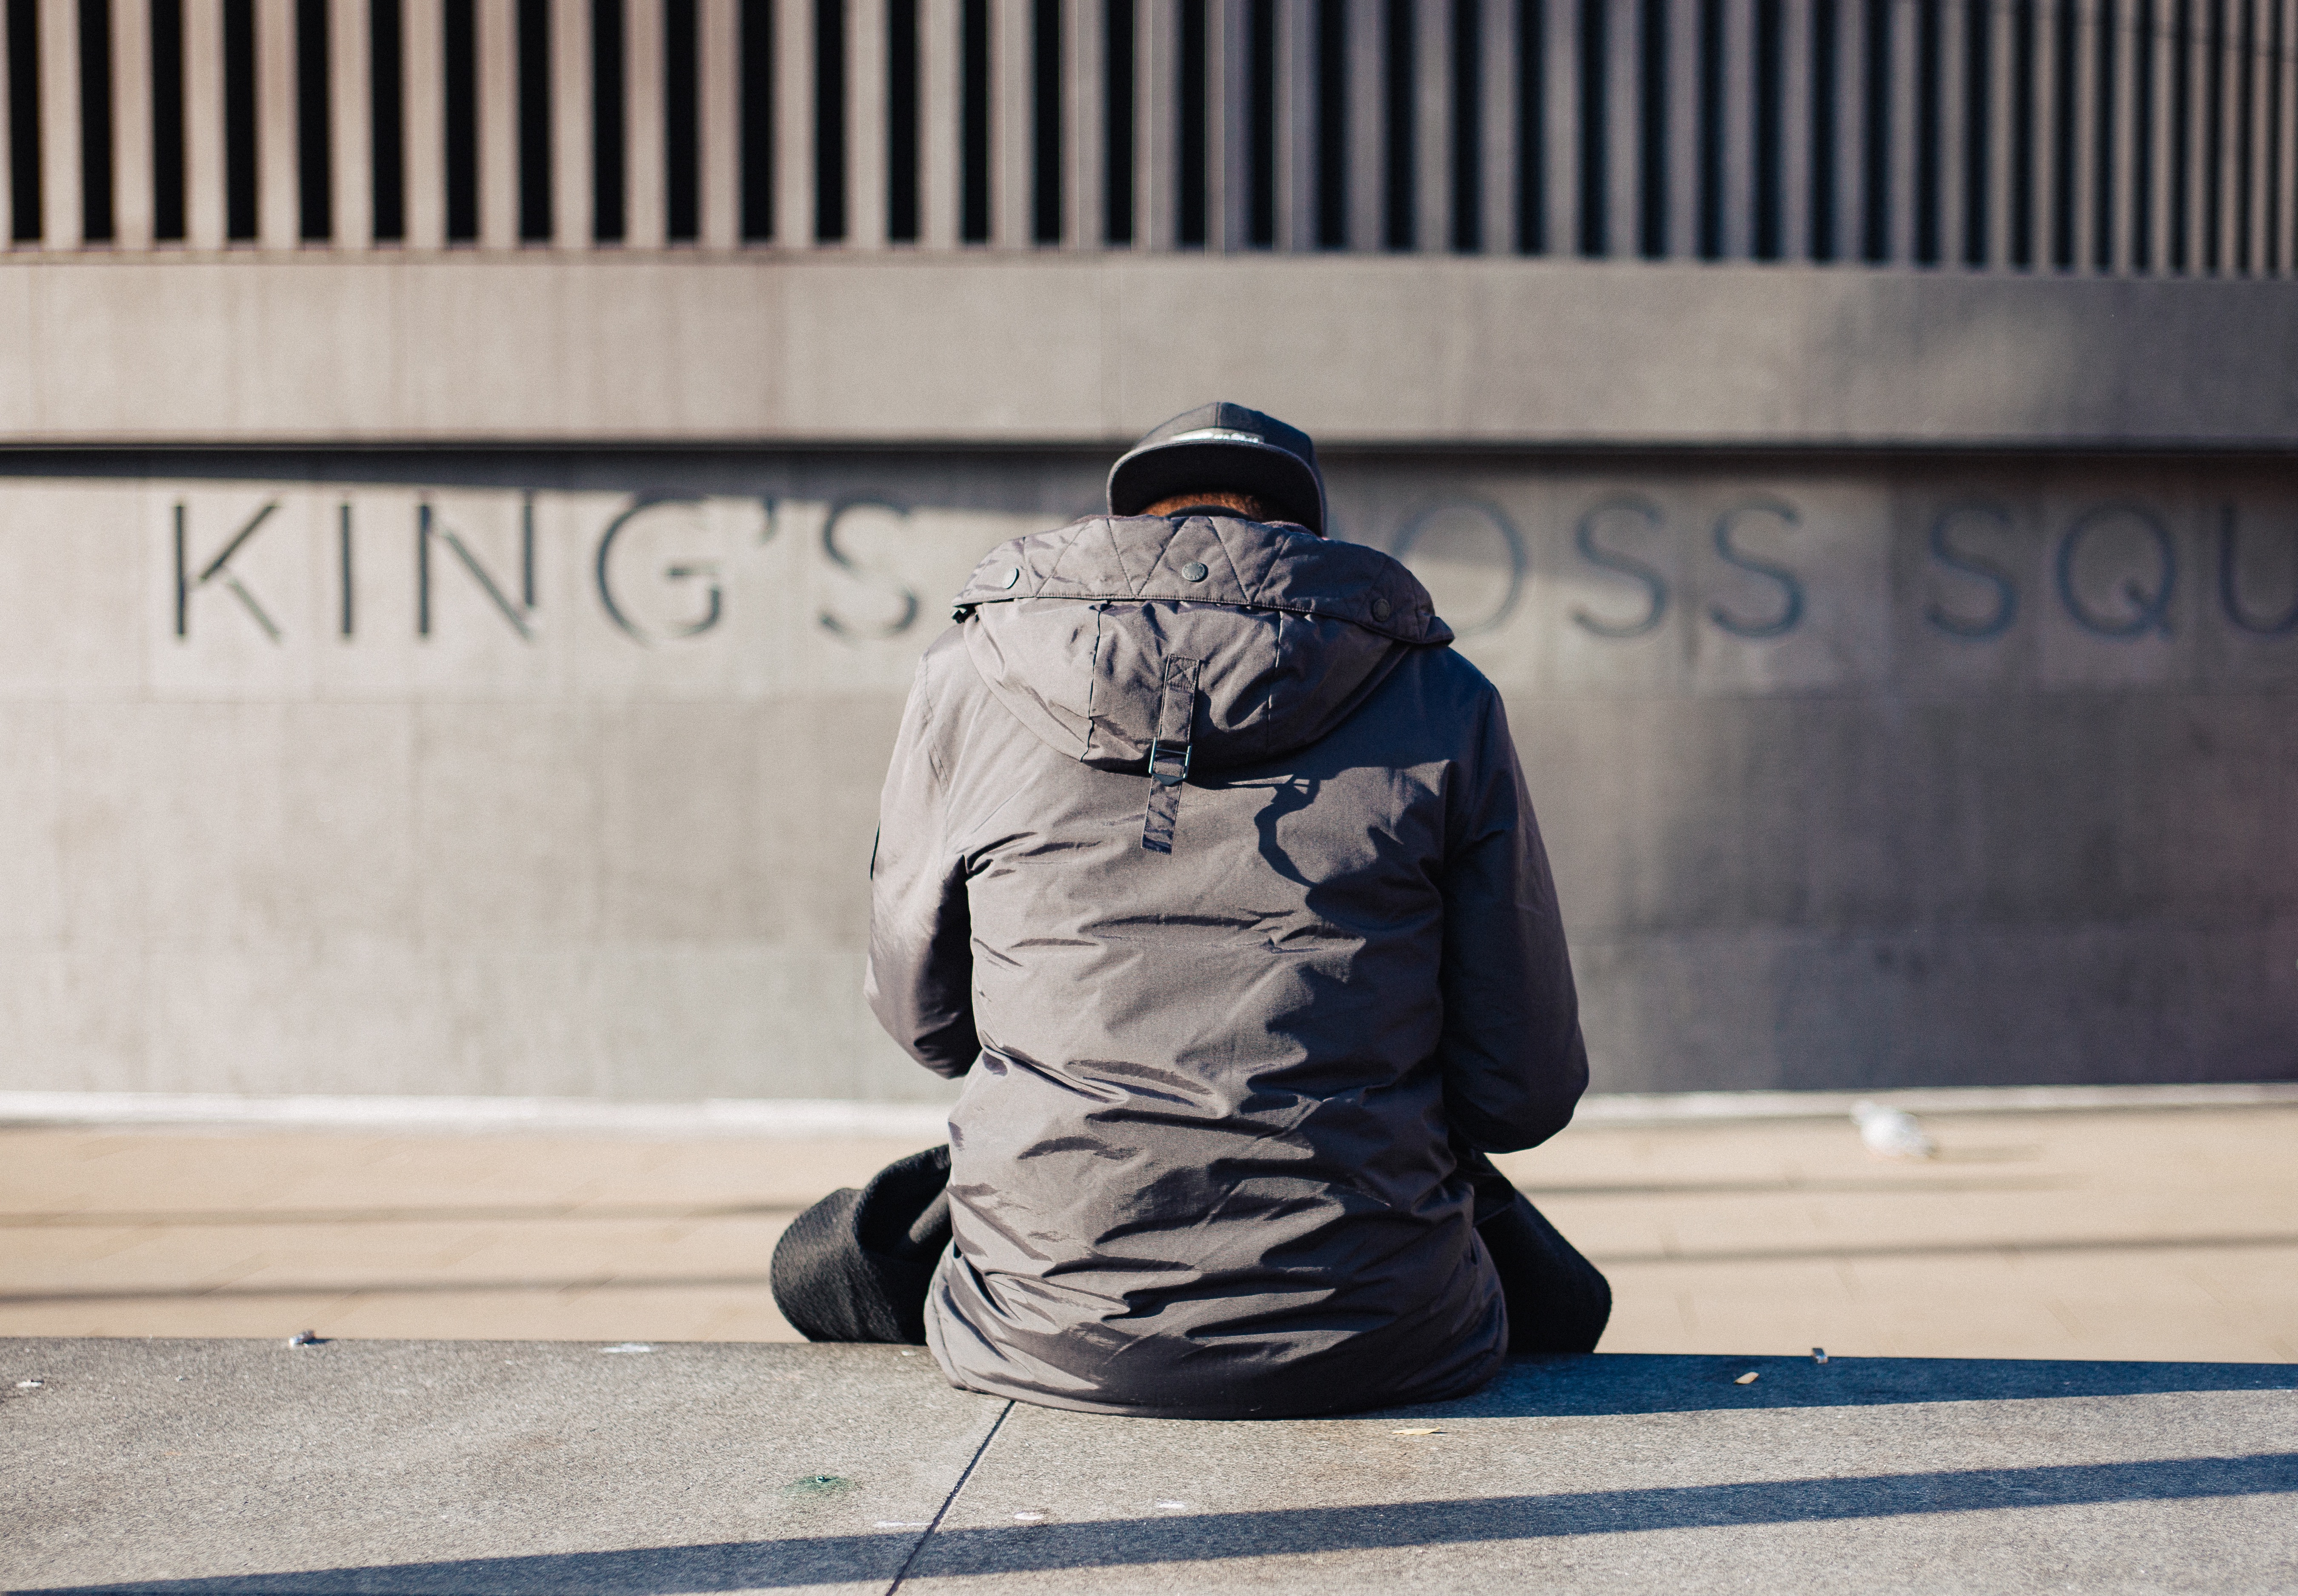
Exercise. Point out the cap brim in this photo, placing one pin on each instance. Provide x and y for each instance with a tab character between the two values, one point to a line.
1284	481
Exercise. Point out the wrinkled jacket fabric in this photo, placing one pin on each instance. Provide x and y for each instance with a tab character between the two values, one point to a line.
1200	1167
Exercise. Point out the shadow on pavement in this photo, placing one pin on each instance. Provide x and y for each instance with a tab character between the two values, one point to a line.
1608	1382
732	1566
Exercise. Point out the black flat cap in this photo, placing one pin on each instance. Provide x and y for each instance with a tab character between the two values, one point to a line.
1224	446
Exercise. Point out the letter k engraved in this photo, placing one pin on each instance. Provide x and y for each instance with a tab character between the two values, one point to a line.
218	569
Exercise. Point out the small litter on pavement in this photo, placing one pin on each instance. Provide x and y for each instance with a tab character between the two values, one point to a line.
818	1485
1891	1132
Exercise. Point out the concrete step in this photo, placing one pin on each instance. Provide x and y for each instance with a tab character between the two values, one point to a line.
235	1466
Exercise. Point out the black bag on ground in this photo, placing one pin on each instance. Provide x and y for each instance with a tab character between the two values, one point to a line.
857	1266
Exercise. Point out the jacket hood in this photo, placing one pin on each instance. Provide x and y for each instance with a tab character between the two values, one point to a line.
1083	633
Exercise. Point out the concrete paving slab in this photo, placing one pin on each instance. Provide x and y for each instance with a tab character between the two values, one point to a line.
216	1467
1642	1473
471	1466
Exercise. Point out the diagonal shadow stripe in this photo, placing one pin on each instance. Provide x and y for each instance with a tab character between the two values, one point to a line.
1105	1543
1611	1383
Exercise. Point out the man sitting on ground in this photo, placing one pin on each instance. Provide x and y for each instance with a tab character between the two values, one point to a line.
1209	865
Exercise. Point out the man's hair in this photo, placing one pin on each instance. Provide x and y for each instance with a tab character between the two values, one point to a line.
1251	505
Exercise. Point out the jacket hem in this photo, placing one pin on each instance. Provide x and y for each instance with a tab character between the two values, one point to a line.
1479	1374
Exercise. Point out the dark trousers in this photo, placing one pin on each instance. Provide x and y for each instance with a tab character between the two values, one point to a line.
1558	1302
857	1266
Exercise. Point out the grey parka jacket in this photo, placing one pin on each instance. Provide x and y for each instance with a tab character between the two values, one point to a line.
1218	1022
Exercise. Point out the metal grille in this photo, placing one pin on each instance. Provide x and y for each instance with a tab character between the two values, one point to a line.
2087	136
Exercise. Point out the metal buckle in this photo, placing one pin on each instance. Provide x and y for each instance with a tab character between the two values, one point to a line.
1156	749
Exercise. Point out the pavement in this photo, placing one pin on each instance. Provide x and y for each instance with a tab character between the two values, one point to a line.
252	1466
2061	1355
2124	1234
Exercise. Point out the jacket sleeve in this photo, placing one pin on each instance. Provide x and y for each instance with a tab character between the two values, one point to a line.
1513	1060
919	982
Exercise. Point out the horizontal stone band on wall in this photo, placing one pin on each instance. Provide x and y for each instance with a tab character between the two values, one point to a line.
1068	350
2092	135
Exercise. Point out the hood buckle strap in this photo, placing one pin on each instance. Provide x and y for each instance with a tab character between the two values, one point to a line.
1170	749
1163	772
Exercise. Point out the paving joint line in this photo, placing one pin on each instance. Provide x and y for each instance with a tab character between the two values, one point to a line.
950	1500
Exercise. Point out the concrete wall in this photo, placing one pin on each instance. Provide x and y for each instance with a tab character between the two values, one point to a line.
1856	772
1030	350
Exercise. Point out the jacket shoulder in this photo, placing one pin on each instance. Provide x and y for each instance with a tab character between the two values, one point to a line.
946	671
1447	680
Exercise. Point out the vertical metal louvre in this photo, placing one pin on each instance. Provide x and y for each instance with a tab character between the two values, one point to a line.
2090	137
